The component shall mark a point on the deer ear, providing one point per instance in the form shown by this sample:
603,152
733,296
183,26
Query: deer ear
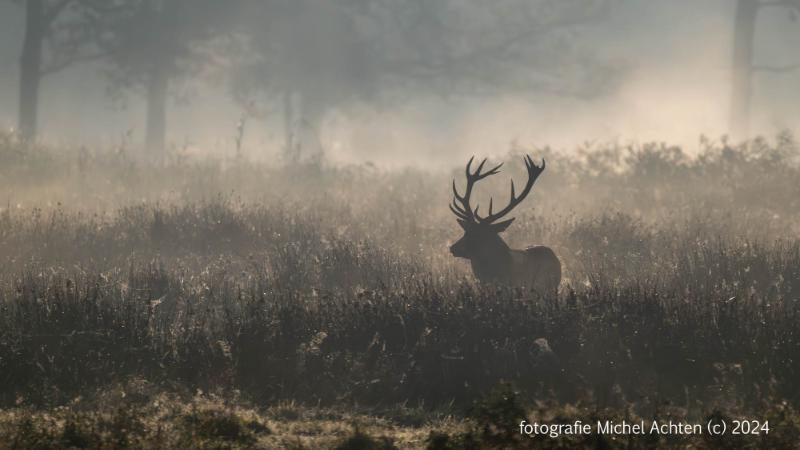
462,223
499,227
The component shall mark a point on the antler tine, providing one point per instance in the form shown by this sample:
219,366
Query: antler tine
455,191
495,170
469,164
480,167
458,212
531,165
461,207
463,211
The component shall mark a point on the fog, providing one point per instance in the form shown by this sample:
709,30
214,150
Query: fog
668,63
225,223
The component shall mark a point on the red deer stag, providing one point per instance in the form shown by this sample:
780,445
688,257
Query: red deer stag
492,260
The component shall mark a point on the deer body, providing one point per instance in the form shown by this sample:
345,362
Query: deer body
491,258
537,267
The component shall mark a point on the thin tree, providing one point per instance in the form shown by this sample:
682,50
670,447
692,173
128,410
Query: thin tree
154,46
743,65
57,35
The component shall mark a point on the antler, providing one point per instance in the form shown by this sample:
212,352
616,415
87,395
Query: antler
464,211
533,173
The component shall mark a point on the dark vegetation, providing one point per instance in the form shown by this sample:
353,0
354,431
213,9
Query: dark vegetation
332,286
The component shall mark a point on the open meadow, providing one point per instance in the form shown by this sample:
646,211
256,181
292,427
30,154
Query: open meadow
232,304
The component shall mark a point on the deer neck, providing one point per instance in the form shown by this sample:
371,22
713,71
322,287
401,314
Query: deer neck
493,260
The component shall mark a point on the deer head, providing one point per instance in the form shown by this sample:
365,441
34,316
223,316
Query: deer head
481,240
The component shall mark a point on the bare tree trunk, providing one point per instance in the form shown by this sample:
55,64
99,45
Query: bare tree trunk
742,86
157,88
30,69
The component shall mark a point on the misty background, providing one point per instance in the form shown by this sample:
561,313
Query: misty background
404,83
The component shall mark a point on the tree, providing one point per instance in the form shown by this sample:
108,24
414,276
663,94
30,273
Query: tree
743,66
56,36
30,67
153,45
306,55
325,55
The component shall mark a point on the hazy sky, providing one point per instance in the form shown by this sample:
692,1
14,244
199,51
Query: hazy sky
675,86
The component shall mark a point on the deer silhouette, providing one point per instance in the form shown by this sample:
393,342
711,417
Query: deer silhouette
492,260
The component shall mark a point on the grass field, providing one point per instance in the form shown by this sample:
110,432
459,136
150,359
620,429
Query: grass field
232,304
